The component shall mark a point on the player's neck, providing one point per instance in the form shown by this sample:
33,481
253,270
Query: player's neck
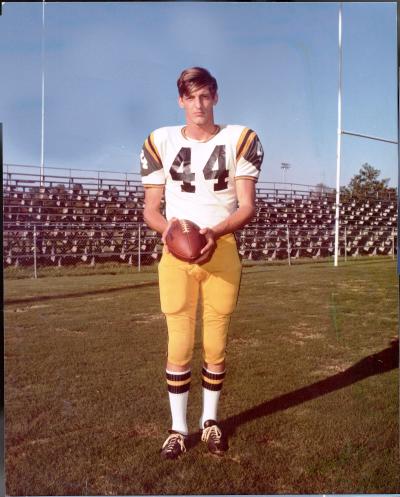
200,133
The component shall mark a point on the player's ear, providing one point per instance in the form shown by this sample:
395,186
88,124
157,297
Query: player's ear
215,98
180,102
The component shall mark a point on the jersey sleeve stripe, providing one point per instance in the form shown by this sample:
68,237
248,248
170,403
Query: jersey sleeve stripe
150,185
246,177
153,145
243,142
152,149
240,141
247,143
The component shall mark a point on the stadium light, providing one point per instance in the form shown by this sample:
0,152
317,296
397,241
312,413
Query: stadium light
285,166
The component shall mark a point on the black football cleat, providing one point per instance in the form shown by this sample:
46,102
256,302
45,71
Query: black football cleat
173,446
212,436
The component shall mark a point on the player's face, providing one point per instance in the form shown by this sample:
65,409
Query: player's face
199,106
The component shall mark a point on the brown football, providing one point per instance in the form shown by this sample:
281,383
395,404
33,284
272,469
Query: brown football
184,240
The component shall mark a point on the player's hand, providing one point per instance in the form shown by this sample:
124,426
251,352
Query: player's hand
208,249
164,234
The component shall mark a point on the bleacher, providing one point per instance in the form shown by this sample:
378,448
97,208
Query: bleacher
302,224
65,220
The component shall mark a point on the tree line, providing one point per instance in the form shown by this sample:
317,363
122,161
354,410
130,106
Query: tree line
366,183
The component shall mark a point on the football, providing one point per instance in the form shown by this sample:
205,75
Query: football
184,240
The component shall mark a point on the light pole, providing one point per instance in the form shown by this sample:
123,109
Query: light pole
285,166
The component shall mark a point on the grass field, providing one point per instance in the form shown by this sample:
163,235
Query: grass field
310,401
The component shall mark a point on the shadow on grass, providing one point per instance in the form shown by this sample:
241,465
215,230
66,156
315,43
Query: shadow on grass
40,298
378,363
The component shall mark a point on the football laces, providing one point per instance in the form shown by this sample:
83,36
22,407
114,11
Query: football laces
184,225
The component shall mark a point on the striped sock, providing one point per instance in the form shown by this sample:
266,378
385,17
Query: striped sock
212,385
178,391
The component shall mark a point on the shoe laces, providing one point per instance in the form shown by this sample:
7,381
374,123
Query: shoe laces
172,440
212,431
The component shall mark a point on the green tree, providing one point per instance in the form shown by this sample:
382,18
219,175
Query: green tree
367,183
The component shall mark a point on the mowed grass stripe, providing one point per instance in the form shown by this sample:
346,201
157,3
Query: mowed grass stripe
79,294
310,402
29,289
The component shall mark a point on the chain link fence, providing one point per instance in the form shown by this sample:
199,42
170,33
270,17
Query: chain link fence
41,245
136,245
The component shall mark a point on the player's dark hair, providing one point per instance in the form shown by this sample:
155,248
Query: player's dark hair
195,78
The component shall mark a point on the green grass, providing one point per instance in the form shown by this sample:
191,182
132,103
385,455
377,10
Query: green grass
310,401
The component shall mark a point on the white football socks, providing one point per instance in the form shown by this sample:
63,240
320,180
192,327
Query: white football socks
212,385
210,406
178,392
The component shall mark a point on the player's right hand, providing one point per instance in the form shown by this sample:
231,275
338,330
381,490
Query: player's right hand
164,234
208,249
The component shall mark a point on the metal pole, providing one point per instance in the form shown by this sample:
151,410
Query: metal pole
34,253
345,244
339,141
288,245
42,137
392,243
369,136
140,247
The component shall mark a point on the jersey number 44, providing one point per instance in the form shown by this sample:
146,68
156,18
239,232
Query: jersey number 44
181,169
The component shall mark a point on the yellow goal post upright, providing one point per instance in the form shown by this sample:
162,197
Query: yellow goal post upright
340,132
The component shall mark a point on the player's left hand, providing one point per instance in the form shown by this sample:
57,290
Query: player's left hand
208,249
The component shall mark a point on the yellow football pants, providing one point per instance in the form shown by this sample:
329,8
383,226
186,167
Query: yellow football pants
217,282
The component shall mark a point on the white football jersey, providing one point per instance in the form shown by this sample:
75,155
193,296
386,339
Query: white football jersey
199,177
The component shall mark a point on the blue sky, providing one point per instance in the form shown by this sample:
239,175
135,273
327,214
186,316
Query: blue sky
111,73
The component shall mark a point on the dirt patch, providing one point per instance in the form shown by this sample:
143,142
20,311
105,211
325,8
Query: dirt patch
354,286
143,318
252,342
303,335
144,430
331,368
302,331
18,309
39,441
67,332
27,308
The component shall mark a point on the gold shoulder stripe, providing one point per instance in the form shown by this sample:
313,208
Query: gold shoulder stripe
240,141
153,186
246,144
152,149
153,145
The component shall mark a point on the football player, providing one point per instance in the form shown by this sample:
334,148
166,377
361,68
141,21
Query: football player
207,173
